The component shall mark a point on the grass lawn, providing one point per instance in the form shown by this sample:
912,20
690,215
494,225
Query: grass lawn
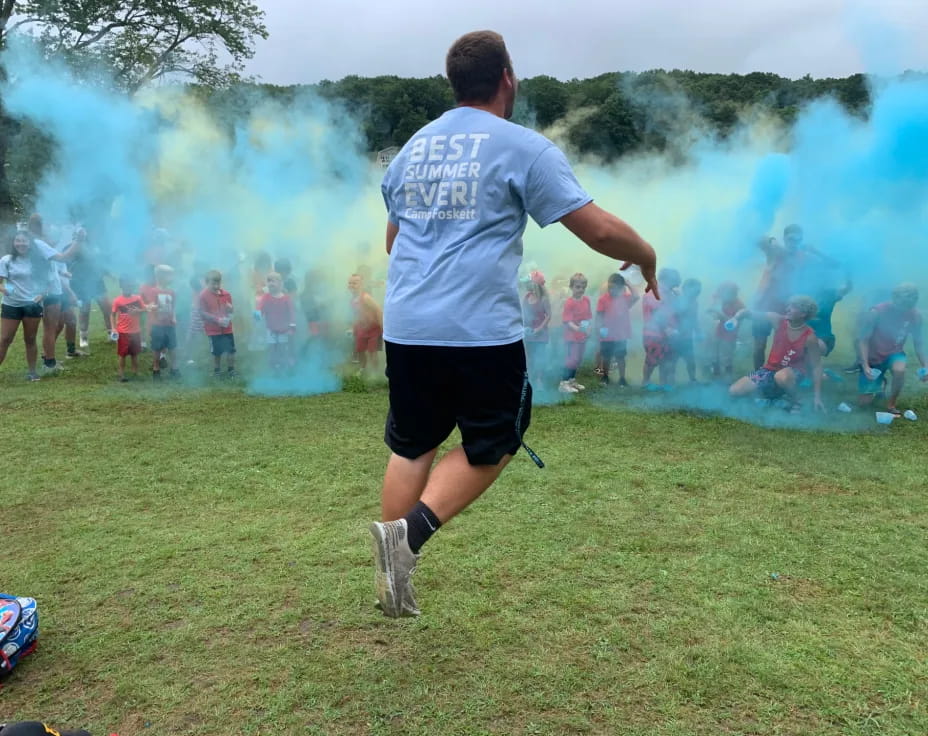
202,565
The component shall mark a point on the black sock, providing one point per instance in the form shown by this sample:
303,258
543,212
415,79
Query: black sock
49,362
71,348
421,523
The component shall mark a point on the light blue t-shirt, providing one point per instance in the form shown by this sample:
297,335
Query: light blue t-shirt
21,284
460,191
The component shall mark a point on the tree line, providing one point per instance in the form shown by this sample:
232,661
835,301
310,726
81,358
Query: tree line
609,116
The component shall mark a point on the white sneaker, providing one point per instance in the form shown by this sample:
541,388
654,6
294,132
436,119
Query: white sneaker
84,342
565,387
579,387
394,564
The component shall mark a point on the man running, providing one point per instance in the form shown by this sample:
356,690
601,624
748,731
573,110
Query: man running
458,196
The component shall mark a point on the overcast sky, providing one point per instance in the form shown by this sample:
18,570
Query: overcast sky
310,41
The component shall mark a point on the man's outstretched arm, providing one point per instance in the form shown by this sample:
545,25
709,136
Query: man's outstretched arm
607,234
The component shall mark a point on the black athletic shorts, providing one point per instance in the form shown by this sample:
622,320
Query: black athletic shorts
88,290
164,337
33,311
610,349
51,300
219,344
484,391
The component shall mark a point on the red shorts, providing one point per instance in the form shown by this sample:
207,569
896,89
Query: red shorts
368,341
656,350
129,343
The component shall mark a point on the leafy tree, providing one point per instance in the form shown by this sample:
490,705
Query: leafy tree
547,97
136,42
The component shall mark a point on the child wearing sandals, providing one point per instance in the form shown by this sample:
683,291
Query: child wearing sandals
794,348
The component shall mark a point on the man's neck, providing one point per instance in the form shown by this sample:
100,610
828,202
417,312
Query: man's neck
494,107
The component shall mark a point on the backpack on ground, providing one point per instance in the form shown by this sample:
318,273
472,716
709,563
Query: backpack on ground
19,630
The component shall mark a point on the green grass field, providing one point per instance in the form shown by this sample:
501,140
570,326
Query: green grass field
202,565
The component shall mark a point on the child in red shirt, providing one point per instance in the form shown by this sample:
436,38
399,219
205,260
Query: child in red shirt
276,309
795,349
216,311
368,324
163,331
614,325
127,310
725,305
660,327
576,318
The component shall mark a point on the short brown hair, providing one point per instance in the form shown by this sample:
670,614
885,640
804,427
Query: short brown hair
475,65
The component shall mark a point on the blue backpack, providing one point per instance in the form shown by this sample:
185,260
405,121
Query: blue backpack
19,630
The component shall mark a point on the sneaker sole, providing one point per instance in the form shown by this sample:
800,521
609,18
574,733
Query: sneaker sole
383,576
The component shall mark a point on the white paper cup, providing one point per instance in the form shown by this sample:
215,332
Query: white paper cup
633,276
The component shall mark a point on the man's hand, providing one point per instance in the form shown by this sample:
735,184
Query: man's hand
648,273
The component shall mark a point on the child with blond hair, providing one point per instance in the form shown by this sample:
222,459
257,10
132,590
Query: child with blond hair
795,349
576,317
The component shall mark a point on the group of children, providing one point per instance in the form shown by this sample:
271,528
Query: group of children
156,304
276,295
38,283
274,314
37,287
671,329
